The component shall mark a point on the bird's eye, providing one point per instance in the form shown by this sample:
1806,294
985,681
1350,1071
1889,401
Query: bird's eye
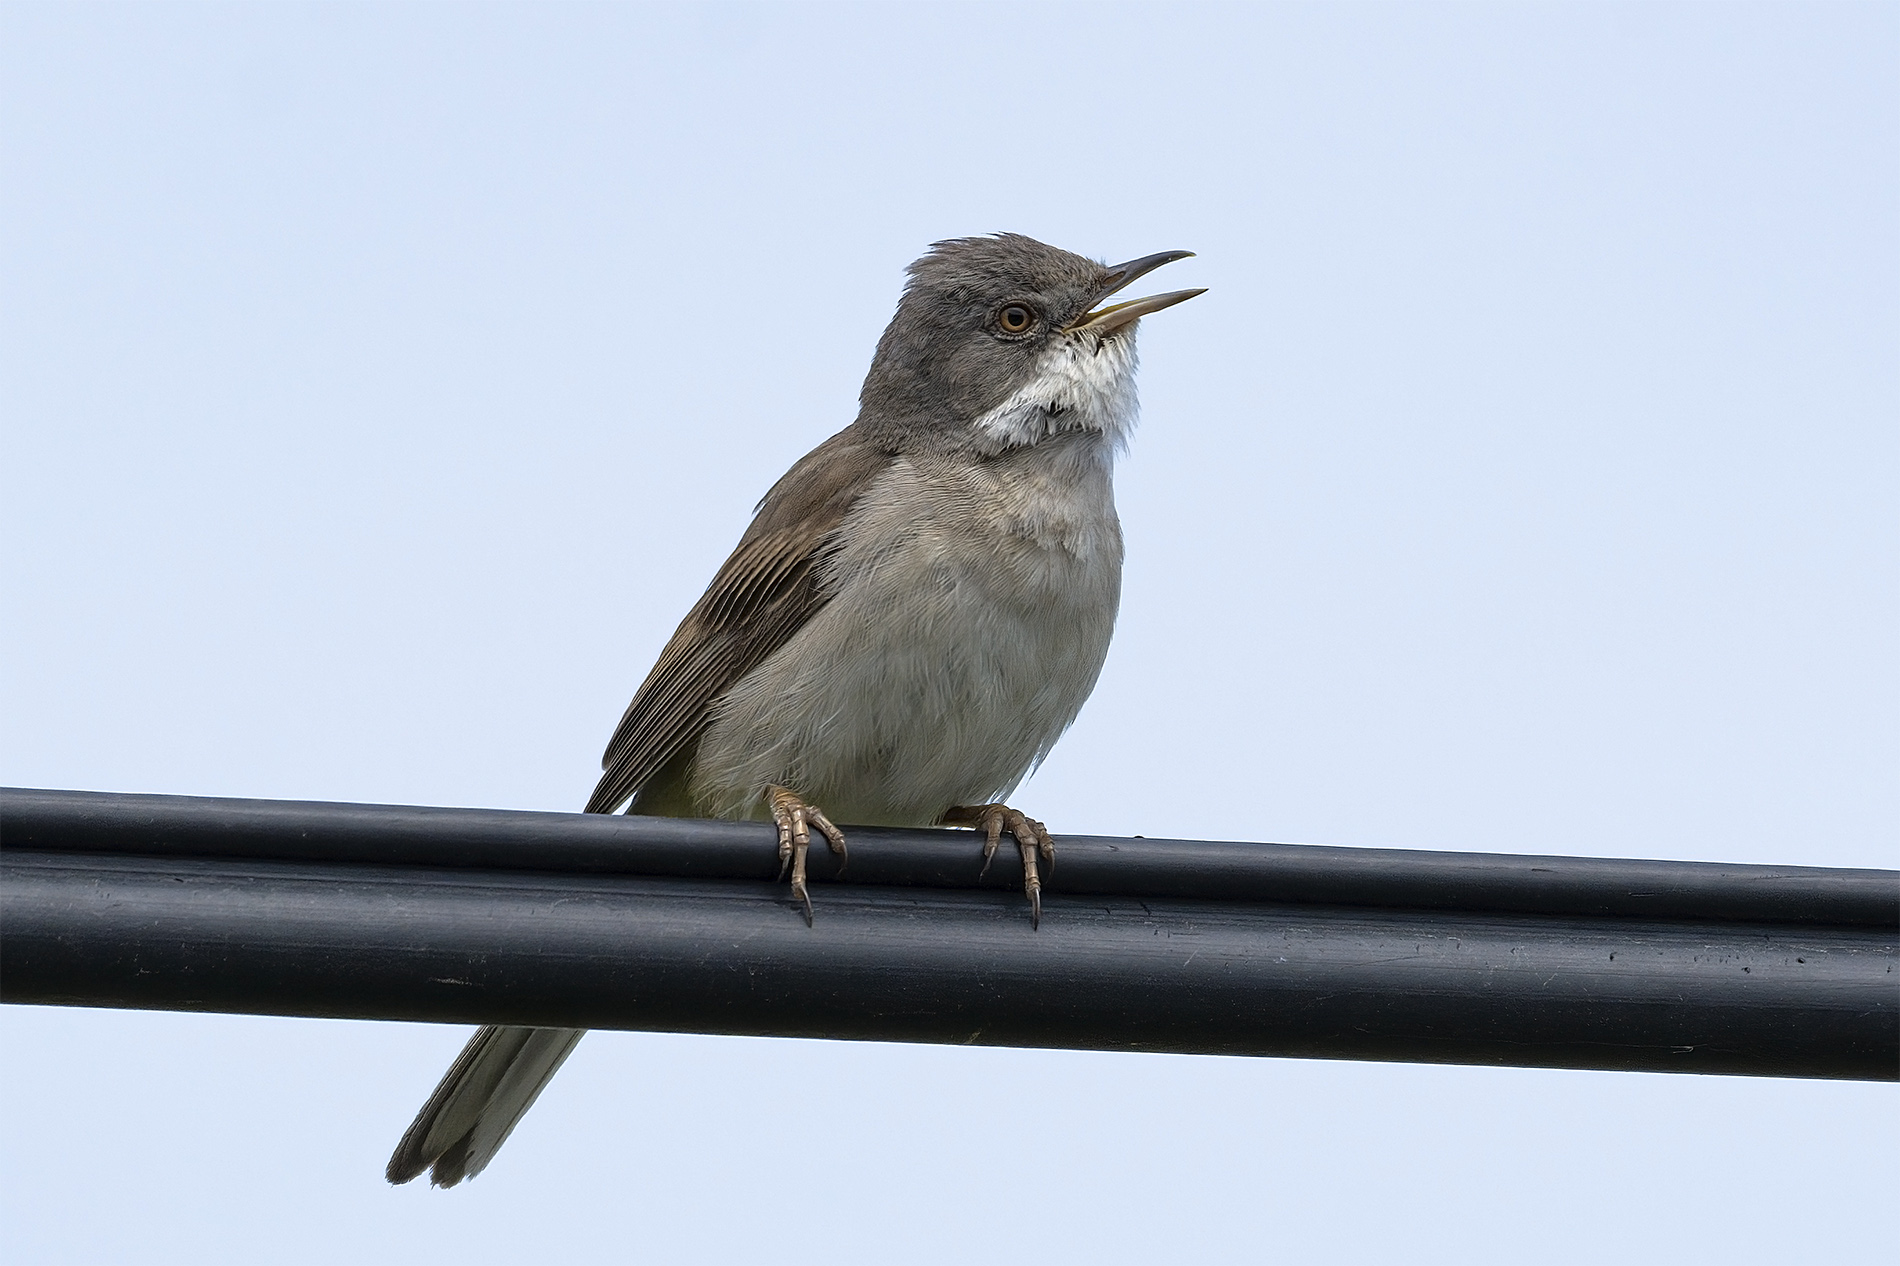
1015,318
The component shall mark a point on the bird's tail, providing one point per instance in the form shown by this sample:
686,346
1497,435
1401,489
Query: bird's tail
492,1083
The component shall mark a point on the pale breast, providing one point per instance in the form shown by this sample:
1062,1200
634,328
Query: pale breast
971,611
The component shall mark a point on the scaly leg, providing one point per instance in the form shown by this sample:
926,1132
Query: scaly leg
795,819
1032,837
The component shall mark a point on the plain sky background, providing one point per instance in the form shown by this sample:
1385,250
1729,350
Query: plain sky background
382,383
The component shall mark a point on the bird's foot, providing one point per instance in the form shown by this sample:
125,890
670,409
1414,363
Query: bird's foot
795,820
1032,837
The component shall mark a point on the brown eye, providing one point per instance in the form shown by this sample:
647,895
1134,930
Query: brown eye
1015,318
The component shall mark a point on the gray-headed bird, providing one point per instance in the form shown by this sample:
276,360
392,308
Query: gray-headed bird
915,615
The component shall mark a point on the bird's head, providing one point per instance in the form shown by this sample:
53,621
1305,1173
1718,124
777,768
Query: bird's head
1004,341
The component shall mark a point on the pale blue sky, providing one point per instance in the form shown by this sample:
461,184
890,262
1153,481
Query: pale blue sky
382,383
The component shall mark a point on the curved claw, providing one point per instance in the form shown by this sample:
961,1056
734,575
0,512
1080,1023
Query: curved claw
795,819
993,833
834,838
1032,839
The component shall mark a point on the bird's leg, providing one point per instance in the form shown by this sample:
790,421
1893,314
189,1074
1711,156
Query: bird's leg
795,819
1032,837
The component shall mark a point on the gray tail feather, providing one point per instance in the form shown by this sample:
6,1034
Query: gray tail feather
488,1088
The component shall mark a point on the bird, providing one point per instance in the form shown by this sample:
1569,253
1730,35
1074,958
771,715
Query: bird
916,613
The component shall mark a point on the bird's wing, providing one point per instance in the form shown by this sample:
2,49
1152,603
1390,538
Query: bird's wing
763,595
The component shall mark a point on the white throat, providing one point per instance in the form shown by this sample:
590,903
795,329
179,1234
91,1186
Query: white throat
1082,383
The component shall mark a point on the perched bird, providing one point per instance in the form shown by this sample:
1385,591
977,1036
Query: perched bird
915,615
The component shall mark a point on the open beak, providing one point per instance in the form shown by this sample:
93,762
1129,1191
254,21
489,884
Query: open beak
1118,316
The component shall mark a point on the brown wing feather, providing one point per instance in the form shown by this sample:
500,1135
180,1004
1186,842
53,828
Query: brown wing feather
763,595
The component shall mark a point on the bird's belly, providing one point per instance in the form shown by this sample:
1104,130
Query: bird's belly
934,680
